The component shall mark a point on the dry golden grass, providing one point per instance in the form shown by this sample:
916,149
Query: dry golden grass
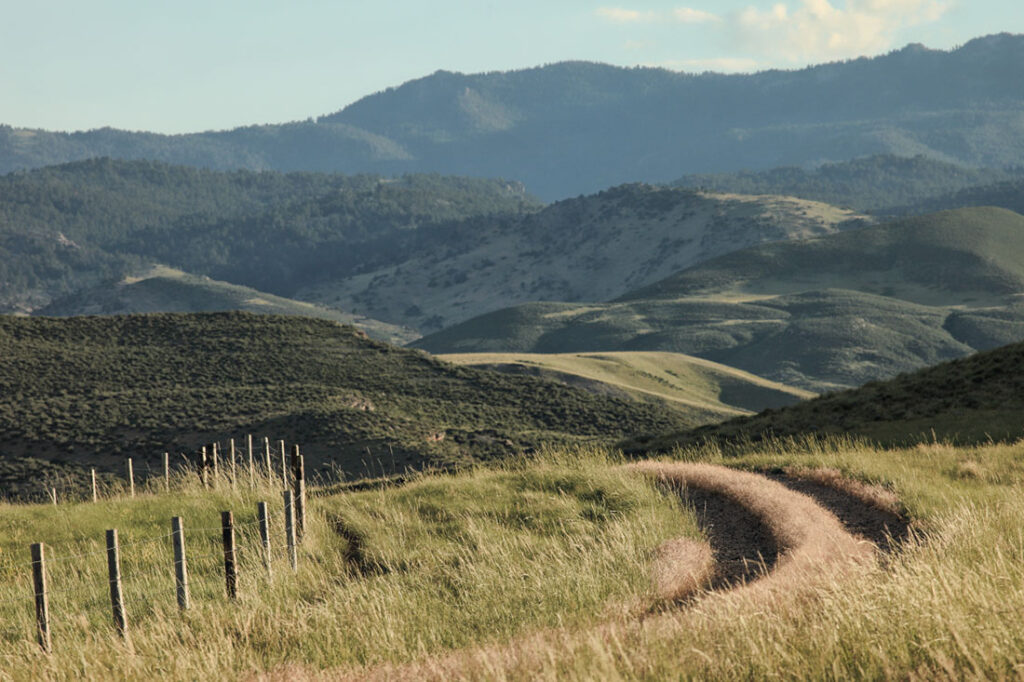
815,550
682,567
871,495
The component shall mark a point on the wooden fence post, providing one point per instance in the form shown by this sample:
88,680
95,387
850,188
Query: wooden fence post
216,466
252,466
131,479
53,496
234,468
284,467
42,600
299,470
180,565
266,455
289,528
261,512
227,523
167,472
94,496
116,593
204,468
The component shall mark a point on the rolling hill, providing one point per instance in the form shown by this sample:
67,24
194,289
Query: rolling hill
88,391
689,384
968,400
160,289
575,127
586,249
74,226
819,314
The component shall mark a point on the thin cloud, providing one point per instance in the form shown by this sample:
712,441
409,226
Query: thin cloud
687,15
621,15
817,29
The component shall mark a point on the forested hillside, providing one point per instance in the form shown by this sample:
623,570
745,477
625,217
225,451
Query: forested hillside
76,225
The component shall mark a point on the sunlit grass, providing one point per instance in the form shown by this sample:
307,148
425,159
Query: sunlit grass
440,563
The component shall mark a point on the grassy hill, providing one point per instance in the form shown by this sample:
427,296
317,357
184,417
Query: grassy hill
819,314
689,384
878,184
968,400
89,391
963,257
589,248
162,289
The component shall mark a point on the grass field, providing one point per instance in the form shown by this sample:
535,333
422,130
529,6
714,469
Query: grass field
690,384
541,569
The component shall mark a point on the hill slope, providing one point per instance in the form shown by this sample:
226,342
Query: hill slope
68,227
87,391
160,289
689,384
574,127
879,183
819,314
968,400
587,249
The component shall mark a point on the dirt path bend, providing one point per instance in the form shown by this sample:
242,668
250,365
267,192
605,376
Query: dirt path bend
769,541
762,532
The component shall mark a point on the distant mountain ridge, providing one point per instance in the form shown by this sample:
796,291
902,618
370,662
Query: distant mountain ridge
577,127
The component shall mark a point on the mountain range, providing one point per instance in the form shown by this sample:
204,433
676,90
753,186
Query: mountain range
577,127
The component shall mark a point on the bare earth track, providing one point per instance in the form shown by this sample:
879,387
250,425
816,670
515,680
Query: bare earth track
772,537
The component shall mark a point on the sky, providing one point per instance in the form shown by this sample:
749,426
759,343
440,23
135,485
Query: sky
193,65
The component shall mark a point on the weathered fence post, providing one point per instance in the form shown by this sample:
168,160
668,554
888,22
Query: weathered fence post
266,455
227,523
234,468
261,512
167,472
289,528
42,599
180,566
216,465
94,495
116,593
284,466
53,496
252,466
204,468
299,470
131,479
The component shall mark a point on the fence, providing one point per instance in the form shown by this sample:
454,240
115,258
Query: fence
214,465
256,537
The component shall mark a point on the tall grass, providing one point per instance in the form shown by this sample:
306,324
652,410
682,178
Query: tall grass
386,575
947,606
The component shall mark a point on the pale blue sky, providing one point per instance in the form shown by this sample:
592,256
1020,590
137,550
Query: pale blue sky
209,64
